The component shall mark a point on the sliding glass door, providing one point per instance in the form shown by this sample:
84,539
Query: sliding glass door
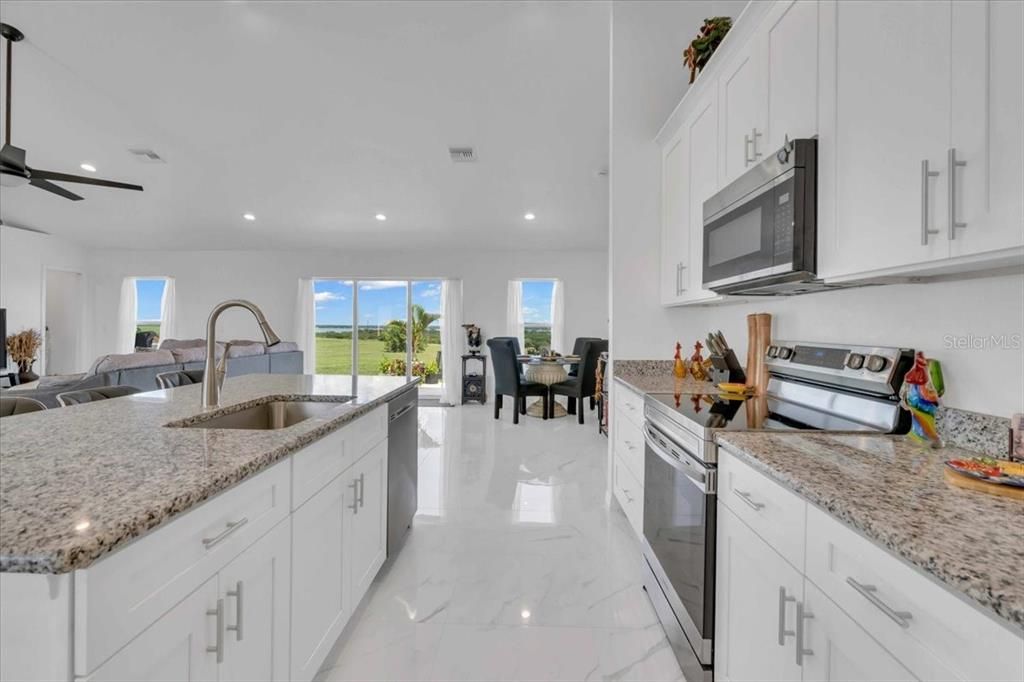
379,327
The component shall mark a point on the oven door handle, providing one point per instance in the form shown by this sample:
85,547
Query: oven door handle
703,479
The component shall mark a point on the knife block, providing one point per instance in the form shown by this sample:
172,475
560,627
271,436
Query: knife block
726,368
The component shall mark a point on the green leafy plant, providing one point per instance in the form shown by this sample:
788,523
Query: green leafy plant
393,333
709,37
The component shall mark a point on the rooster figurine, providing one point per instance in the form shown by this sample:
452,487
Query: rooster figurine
698,365
922,387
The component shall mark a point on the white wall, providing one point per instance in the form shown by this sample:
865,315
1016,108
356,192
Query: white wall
269,279
24,258
646,41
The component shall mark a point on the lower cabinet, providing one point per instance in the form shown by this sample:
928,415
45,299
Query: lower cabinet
339,542
756,593
173,648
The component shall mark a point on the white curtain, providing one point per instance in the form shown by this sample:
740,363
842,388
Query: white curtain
126,317
452,335
305,325
168,311
558,318
514,312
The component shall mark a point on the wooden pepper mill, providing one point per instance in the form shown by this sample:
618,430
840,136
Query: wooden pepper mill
759,336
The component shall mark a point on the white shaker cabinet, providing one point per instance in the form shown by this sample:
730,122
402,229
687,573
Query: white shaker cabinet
884,136
255,589
742,108
987,133
675,233
175,647
365,546
790,44
756,593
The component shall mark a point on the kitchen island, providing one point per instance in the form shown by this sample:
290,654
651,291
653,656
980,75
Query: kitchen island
128,531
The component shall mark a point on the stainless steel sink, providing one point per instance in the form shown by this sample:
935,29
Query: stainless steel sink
277,414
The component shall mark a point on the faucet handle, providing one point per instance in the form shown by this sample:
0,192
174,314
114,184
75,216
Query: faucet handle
222,367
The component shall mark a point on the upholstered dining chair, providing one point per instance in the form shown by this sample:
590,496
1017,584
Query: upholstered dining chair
91,395
578,387
15,405
180,378
577,349
508,380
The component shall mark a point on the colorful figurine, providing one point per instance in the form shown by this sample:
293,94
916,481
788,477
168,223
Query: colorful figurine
698,365
922,387
679,369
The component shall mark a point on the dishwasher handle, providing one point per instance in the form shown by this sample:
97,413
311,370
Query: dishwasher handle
401,412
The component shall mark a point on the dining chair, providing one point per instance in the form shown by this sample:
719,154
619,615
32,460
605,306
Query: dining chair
15,405
577,350
508,380
183,377
91,395
514,340
585,384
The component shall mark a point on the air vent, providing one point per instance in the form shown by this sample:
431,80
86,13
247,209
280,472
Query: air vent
146,155
462,154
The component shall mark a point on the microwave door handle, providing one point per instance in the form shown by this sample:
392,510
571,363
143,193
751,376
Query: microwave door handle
701,480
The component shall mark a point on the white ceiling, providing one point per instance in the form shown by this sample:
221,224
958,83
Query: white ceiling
315,117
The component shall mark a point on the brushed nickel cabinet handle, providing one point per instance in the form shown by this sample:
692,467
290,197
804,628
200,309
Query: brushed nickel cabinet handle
355,496
362,489
745,496
746,150
953,165
230,528
753,144
801,616
237,627
783,600
925,176
869,592
218,648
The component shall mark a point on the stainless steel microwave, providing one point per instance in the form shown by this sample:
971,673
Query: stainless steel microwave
760,231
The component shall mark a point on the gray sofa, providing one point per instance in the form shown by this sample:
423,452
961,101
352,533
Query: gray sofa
139,370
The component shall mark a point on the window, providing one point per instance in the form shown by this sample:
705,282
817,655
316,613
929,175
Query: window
534,314
146,313
398,330
149,295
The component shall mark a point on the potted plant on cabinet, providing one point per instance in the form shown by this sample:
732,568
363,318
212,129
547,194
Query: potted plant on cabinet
23,348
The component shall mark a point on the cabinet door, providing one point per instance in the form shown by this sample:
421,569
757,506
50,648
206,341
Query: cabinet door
790,36
320,608
751,610
987,134
366,519
675,233
742,107
174,648
255,588
838,649
702,181
892,70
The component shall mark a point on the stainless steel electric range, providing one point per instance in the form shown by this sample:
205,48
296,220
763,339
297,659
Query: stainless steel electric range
833,387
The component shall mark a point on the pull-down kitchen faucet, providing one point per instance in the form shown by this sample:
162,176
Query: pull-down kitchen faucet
213,375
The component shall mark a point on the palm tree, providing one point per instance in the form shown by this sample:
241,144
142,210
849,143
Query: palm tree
393,333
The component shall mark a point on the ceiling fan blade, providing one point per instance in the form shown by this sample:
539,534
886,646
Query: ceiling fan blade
50,187
66,177
13,157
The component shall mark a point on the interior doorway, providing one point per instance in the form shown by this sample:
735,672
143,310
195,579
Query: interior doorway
62,322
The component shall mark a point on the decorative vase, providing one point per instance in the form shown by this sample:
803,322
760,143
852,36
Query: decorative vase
25,373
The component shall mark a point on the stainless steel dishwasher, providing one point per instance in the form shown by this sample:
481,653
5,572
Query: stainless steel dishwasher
403,465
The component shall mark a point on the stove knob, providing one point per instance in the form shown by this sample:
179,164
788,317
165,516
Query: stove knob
773,351
855,361
876,363
785,353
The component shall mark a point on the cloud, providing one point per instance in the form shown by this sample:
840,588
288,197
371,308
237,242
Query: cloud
322,296
379,284
430,291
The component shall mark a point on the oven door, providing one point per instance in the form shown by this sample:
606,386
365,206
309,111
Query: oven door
753,238
679,529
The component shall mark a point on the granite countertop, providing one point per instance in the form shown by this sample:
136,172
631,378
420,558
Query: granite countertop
79,482
666,383
894,492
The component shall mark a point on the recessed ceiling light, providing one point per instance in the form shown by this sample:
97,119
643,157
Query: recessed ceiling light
249,216
381,217
529,216
88,167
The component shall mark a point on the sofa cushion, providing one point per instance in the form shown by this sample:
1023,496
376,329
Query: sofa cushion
171,344
110,363
283,347
243,348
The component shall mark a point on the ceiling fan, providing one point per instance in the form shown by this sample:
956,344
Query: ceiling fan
13,171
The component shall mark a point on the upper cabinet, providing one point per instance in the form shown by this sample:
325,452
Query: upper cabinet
917,106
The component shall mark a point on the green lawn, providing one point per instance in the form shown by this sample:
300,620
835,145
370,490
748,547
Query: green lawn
154,327
334,356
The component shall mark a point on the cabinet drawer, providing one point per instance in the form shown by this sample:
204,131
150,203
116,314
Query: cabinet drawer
315,465
942,638
629,493
629,446
629,404
121,595
774,513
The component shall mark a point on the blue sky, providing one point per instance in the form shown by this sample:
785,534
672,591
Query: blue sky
537,301
379,301
148,293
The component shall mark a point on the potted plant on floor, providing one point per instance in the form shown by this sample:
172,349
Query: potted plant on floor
23,348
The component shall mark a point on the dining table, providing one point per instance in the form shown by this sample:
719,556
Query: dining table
546,370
